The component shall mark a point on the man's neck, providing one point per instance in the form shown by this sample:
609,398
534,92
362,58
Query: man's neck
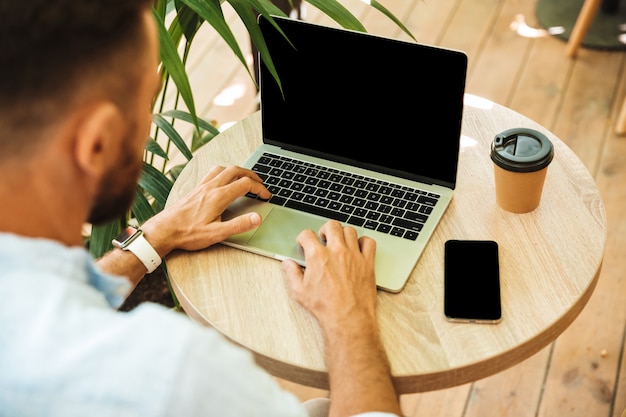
37,205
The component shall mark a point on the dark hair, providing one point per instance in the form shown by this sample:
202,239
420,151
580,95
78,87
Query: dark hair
50,50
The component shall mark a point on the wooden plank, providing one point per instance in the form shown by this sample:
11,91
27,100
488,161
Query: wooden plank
585,366
469,27
444,403
514,392
429,19
543,81
492,76
611,179
584,117
378,24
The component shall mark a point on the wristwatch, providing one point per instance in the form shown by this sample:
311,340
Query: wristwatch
133,240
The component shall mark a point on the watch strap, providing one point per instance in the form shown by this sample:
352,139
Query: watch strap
145,252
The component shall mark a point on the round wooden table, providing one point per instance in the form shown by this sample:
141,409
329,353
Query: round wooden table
550,260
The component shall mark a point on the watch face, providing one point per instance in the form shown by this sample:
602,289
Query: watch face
126,236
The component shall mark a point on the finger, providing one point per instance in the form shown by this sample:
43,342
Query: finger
309,241
236,225
351,238
294,276
332,232
243,186
367,246
233,173
213,173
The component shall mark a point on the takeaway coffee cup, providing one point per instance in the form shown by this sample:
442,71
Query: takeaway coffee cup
521,157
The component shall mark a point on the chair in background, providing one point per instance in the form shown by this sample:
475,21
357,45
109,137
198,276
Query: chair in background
587,13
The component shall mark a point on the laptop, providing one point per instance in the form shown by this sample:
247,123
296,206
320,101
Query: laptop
363,129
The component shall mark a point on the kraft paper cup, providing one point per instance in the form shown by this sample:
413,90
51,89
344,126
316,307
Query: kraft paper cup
521,157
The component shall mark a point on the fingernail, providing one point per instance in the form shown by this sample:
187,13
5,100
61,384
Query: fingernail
255,219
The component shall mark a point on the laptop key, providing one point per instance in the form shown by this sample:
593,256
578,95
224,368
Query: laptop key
396,231
335,206
370,224
429,201
261,168
385,209
320,211
425,209
347,209
334,186
279,201
384,228
320,192
334,196
322,202
356,221
407,224
409,215
372,215
385,218
265,159
360,212
285,193
296,186
346,199
273,189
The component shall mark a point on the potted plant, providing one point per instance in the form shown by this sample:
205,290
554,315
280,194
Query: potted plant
178,22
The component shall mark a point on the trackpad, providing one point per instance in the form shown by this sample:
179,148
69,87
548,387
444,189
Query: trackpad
277,234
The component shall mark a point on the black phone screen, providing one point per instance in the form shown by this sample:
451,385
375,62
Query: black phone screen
472,281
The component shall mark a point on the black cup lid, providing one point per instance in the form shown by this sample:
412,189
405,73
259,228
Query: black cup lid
521,150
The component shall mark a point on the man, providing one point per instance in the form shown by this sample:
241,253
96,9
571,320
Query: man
77,83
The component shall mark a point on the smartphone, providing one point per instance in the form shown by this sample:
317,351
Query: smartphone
472,281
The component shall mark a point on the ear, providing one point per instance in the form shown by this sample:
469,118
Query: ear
98,139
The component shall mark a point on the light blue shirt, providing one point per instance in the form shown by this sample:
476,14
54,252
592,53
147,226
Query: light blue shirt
65,350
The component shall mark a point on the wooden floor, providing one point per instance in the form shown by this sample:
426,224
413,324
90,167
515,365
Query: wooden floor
514,63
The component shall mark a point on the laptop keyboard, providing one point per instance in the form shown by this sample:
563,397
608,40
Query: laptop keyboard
349,198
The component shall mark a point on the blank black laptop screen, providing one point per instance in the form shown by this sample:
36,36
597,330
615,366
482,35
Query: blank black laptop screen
391,105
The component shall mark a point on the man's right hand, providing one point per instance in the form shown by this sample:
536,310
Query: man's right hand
339,280
338,287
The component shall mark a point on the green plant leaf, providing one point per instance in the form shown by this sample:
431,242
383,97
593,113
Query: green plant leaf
337,12
153,147
183,115
160,8
200,141
174,66
172,135
156,184
188,20
101,237
248,16
141,209
176,170
376,5
211,12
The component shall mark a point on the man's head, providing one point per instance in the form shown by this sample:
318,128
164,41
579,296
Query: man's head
86,71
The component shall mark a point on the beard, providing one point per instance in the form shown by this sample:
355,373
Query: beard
117,189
